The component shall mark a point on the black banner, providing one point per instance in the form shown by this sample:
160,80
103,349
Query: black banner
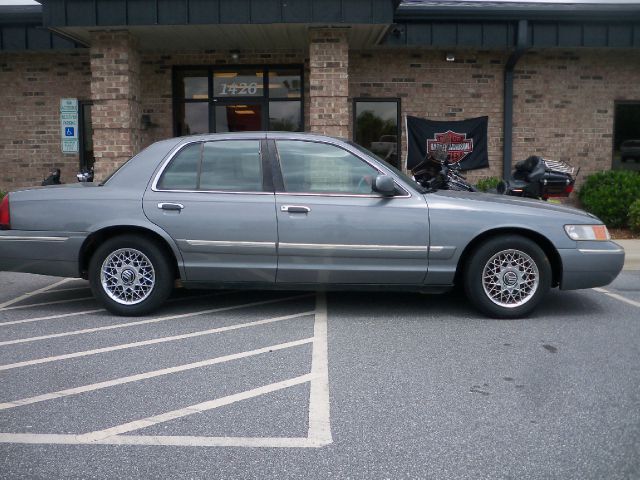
465,141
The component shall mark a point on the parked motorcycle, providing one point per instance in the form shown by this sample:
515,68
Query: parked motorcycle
436,172
534,177
85,175
537,177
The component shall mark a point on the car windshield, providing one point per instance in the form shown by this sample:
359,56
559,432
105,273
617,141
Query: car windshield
399,173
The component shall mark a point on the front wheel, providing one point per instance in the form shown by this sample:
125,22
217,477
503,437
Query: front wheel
130,275
507,276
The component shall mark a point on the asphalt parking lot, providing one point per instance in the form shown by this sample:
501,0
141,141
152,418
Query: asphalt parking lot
231,384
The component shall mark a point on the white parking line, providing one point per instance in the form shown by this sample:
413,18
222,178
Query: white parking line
145,322
35,292
51,317
85,312
152,374
618,297
191,409
153,341
55,302
319,415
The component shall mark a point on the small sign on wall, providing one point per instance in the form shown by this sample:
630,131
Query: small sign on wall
69,125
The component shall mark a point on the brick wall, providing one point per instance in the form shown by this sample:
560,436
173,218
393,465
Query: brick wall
430,87
329,81
564,105
31,86
115,90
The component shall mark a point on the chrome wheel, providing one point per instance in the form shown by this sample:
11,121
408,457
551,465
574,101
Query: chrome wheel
510,278
127,276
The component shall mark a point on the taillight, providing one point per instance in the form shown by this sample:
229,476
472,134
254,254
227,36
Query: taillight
568,188
5,217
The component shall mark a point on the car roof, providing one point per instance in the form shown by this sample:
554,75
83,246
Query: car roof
260,134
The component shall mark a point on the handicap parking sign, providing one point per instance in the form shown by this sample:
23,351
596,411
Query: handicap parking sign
69,132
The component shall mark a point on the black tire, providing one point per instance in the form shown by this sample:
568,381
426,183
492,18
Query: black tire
512,291
151,270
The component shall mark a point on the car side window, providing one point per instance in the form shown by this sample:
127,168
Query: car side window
233,165
182,172
310,167
227,165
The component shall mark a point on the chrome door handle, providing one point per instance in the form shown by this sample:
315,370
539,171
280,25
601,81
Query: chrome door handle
294,209
170,206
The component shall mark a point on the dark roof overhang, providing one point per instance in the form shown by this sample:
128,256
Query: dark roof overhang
420,10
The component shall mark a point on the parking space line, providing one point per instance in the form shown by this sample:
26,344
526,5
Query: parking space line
72,314
192,409
146,322
35,292
319,414
618,297
152,374
50,317
55,302
162,440
153,341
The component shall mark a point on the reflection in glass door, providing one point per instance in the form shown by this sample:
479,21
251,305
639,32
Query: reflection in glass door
238,117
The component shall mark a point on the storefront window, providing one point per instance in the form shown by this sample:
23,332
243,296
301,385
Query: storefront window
223,99
626,137
285,116
376,127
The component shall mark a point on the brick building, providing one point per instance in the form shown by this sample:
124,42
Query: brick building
559,80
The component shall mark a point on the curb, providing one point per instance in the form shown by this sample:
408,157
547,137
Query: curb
632,253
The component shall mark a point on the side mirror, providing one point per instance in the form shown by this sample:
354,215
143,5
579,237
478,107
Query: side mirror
384,185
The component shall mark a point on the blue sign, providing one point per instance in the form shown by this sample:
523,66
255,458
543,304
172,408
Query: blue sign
68,132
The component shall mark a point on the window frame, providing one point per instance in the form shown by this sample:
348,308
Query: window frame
398,103
212,101
616,103
267,187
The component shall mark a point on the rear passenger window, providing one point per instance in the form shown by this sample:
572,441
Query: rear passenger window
182,172
228,165
233,165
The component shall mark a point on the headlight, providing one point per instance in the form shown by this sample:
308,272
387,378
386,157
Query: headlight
587,232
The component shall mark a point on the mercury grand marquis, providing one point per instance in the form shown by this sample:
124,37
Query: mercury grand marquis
296,211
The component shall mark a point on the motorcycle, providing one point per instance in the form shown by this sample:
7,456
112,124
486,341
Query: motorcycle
436,172
537,177
534,177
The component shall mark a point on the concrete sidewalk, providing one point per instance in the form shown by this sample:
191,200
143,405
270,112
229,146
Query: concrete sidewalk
632,253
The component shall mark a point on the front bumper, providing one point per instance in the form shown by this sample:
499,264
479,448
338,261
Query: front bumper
46,253
590,264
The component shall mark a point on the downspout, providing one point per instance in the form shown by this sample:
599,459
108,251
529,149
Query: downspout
521,47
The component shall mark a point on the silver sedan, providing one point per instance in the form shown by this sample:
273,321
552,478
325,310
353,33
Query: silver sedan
296,211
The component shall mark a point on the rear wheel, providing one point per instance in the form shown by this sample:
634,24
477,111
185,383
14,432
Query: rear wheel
130,275
507,276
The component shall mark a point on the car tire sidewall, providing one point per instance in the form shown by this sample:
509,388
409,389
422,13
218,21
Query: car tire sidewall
164,275
474,270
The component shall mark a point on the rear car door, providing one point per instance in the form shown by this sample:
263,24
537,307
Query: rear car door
215,198
332,228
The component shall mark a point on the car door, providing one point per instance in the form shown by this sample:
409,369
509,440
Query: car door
332,228
216,201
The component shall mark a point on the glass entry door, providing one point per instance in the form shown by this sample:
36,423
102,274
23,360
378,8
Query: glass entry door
237,99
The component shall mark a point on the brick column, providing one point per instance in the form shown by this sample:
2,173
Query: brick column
329,81
115,91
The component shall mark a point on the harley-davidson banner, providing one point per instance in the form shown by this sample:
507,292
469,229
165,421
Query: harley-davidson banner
465,141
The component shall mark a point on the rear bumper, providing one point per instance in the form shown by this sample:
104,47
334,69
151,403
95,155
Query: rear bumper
590,264
45,253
